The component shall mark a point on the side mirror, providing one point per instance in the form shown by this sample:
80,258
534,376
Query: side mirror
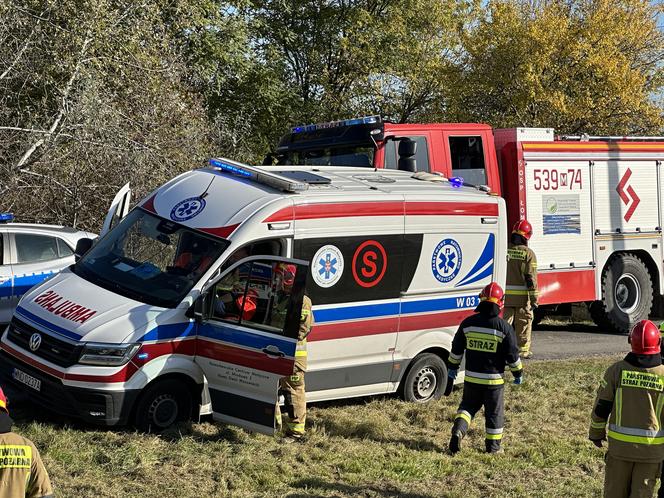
82,246
195,311
407,151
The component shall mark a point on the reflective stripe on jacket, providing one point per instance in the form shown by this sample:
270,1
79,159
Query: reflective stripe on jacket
635,424
489,344
521,285
22,473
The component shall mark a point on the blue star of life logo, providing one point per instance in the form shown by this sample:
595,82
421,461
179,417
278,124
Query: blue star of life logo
327,266
446,260
187,209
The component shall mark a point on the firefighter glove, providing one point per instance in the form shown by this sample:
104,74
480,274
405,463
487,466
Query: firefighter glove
519,380
597,442
452,373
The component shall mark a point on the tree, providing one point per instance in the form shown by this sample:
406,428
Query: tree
93,94
576,65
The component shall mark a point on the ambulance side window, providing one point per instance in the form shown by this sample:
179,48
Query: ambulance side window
254,294
421,154
467,156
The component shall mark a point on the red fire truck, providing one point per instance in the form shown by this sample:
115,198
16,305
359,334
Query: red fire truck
595,203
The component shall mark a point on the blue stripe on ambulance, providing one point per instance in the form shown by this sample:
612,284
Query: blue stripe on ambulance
46,324
170,331
244,337
481,270
392,308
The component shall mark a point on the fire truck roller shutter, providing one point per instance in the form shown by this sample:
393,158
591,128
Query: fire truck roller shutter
627,294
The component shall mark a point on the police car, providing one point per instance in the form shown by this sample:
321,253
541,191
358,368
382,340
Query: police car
30,253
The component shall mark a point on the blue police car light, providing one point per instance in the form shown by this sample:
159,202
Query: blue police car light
6,217
230,168
456,181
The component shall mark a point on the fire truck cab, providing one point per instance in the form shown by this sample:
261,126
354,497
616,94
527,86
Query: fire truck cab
595,203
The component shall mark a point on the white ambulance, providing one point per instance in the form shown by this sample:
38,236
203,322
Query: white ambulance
180,305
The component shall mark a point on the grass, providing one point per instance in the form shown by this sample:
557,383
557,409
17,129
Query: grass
375,447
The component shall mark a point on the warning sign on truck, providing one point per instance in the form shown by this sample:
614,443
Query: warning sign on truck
561,214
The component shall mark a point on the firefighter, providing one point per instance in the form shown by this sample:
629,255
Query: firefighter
521,292
630,398
292,386
660,493
489,344
22,473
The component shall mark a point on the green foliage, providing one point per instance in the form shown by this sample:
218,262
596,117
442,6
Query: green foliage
97,92
578,66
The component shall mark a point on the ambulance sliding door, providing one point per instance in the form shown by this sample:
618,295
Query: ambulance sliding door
455,246
355,278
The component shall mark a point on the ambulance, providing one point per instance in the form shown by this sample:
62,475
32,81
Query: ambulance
179,307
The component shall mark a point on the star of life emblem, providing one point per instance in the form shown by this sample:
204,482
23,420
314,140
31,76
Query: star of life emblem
327,266
446,260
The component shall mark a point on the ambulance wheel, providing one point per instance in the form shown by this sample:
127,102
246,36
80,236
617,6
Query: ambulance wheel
163,404
627,294
425,380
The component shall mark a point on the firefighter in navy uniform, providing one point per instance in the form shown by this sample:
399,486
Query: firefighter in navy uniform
521,293
22,473
292,386
660,493
489,344
630,399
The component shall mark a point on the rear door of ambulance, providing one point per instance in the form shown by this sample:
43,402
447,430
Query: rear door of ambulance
247,337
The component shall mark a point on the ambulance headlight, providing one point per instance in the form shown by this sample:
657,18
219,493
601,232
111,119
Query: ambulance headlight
108,355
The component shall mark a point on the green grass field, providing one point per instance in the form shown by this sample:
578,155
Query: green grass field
376,447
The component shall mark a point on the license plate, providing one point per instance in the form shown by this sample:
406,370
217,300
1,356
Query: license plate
26,379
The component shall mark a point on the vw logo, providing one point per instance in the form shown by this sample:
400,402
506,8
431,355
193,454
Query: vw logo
35,342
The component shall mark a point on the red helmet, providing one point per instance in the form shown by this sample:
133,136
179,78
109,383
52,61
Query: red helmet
3,402
287,272
493,293
523,228
644,338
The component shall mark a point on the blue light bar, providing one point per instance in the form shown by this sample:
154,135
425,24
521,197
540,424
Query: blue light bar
6,217
231,168
456,181
258,175
336,124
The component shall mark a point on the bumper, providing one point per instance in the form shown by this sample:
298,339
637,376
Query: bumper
90,405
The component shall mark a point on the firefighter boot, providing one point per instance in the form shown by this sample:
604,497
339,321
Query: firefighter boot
493,446
455,441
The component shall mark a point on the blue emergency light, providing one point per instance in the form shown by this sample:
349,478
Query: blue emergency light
456,181
6,217
258,175
230,168
335,124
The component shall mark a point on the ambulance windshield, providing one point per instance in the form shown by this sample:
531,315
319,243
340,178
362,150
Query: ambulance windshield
150,259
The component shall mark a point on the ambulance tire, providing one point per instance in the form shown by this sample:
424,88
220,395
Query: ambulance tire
163,404
425,380
628,295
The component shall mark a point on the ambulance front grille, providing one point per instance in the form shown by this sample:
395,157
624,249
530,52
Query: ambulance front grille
62,353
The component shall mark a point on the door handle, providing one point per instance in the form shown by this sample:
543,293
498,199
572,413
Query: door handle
489,221
273,351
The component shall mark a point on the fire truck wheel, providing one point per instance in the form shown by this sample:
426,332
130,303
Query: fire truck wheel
627,291
425,380
163,404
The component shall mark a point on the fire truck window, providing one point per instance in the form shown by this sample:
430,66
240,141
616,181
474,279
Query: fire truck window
421,155
468,159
